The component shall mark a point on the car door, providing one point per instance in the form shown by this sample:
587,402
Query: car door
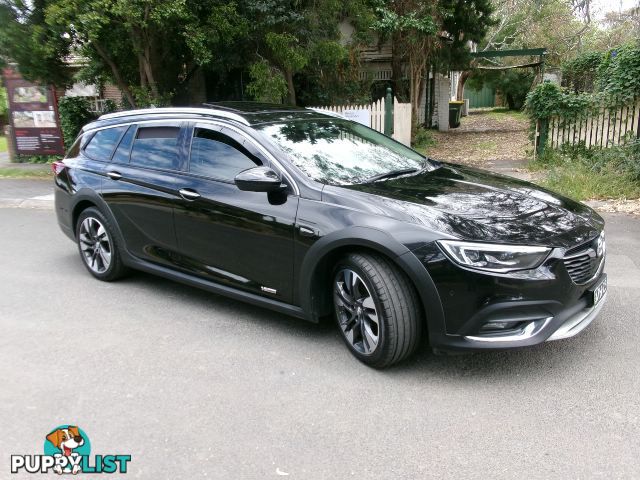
140,188
233,237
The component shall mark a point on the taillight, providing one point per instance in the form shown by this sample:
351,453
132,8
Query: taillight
57,167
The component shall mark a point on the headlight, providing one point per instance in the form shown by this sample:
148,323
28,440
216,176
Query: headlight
494,258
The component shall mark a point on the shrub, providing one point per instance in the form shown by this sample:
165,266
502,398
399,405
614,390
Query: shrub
423,139
75,112
579,74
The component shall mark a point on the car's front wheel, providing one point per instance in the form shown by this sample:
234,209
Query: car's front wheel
97,246
377,309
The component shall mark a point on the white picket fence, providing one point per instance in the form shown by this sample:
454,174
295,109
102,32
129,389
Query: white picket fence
376,113
606,128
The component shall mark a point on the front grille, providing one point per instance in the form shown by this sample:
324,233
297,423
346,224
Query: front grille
582,267
583,262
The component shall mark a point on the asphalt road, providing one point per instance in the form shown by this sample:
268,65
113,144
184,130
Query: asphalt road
194,385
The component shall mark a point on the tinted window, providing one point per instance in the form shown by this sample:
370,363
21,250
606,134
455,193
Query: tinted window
101,146
342,152
122,152
214,154
75,149
156,147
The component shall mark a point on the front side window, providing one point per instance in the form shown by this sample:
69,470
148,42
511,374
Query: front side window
156,147
101,145
341,152
216,155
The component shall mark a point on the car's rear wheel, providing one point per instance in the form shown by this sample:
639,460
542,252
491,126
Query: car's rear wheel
97,246
377,309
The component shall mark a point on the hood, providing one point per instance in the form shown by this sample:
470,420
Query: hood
473,204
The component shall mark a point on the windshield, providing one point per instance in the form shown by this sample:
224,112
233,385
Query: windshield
340,152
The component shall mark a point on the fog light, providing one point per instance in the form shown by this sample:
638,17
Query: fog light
498,325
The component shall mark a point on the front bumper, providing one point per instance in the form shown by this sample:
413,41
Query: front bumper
564,324
540,306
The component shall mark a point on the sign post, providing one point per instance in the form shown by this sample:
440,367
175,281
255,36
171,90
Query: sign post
33,115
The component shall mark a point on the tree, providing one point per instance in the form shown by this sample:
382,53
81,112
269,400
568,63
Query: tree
412,26
28,40
560,26
298,43
170,40
148,48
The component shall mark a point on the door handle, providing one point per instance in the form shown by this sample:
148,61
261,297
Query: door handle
114,175
189,194
306,231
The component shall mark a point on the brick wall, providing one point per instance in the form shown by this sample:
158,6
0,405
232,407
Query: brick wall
111,92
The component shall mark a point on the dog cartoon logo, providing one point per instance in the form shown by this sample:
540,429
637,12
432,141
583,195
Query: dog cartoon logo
67,441
67,450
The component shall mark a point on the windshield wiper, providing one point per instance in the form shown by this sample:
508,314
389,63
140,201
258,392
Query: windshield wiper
392,173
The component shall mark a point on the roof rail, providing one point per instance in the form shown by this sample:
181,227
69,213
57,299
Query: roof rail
176,111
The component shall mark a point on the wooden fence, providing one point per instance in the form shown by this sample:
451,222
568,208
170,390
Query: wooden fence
401,114
607,128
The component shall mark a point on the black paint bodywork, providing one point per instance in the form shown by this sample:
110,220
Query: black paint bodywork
235,243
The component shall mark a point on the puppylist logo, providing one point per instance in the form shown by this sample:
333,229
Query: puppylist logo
67,450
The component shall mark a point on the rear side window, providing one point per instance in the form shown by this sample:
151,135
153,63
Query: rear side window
123,150
102,144
156,147
214,154
75,149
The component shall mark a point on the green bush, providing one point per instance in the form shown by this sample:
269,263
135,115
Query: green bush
423,139
75,112
618,82
36,158
4,107
579,74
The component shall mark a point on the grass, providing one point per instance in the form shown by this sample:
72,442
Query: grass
487,145
502,113
582,183
3,143
582,174
13,172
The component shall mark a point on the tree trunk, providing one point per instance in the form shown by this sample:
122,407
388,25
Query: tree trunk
417,67
292,91
143,75
461,81
124,88
397,57
148,70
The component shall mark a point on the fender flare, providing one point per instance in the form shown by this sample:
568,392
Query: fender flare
91,196
383,243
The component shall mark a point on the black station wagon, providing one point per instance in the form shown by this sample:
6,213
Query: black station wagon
312,215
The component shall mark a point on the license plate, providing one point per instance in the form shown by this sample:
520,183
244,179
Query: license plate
599,291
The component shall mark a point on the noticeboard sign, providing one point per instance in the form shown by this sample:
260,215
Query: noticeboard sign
362,116
33,115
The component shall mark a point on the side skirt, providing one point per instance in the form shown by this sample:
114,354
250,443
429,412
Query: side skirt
213,287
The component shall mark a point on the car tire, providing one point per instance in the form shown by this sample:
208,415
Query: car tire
98,246
377,309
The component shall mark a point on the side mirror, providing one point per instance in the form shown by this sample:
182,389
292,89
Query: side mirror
259,179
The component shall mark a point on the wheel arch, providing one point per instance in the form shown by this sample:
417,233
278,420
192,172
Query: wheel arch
84,199
320,259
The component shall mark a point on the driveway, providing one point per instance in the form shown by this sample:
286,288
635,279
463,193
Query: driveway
194,385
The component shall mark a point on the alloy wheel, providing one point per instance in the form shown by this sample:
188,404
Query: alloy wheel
95,245
356,310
